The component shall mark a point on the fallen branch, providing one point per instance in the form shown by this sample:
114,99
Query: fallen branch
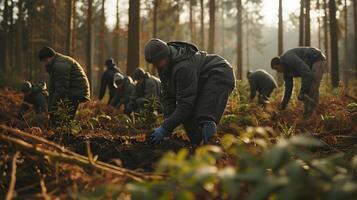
10,192
72,157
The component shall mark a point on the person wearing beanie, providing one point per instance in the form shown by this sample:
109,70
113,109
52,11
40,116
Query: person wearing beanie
308,63
262,82
125,91
35,95
68,85
195,88
147,87
107,80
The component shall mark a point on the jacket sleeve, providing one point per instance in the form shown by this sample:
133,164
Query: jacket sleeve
103,86
168,102
129,95
61,75
253,88
116,99
186,92
305,72
150,88
24,107
288,88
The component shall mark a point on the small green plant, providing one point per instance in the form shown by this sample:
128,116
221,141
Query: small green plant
285,170
286,130
64,123
149,114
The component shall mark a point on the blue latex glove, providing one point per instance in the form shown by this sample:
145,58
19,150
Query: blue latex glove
158,135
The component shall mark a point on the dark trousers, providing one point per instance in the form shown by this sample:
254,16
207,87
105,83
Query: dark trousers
209,106
63,113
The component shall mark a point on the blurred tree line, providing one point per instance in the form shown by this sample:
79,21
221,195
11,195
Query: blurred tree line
232,28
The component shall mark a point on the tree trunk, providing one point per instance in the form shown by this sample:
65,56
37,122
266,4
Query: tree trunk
346,63
74,30
355,27
191,21
326,38
307,24
280,38
101,42
202,24
19,39
54,24
116,34
212,25
6,34
334,45
239,40
155,12
223,33
69,26
301,23
318,23
89,42
133,56
12,39
247,42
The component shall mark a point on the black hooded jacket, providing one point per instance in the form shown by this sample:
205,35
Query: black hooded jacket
182,79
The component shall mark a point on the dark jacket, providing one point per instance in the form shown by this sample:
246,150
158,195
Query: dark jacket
150,87
37,98
262,82
67,81
183,78
298,63
107,81
124,95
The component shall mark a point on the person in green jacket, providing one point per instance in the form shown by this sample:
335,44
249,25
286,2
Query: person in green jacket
68,85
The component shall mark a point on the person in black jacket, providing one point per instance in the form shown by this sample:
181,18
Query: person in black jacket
147,87
308,63
35,95
125,91
107,80
195,88
262,82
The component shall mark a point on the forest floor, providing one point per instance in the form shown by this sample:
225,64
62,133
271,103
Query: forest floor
121,141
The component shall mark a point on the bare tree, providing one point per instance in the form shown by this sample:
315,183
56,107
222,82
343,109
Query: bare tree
355,30
74,34
212,25
301,23
239,40
334,46
326,28
318,8
202,24
116,33
346,64
19,38
133,56
89,41
155,13
69,26
307,24
280,37
101,39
